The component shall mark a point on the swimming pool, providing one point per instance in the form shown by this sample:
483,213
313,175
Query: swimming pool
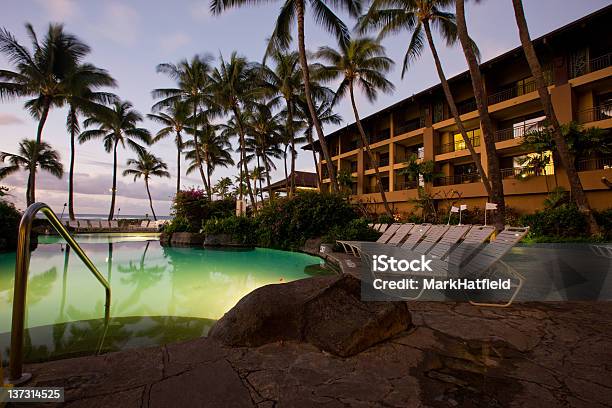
159,294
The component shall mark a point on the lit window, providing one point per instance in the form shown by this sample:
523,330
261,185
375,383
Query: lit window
471,134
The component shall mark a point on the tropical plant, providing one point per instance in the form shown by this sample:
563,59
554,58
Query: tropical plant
425,169
359,62
419,17
193,89
116,126
31,156
214,150
488,131
81,95
565,155
235,89
40,74
345,180
293,11
146,165
174,120
222,187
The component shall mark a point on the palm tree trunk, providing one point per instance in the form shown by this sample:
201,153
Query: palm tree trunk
179,151
111,213
196,146
364,140
146,180
267,165
292,135
242,153
314,156
299,5
576,190
488,133
71,171
259,179
454,111
31,189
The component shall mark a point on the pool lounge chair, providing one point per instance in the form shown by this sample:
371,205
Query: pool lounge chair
83,225
94,225
431,238
114,224
105,225
386,236
416,234
454,234
73,224
376,227
401,234
383,227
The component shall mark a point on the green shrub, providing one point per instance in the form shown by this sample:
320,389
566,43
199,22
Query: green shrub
286,223
355,230
604,219
385,219
177,224
564,221
241,229
194,208
9,225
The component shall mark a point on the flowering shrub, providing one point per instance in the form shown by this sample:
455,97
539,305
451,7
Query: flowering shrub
192,208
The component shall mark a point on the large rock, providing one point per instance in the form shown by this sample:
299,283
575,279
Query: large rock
223,240
324,311
186,239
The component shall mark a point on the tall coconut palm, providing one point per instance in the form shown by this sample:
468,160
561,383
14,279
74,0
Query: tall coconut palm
419,17
488,132
235,89
174,120
326,115
193,88
294,11
79,91
116,126
214,151
577,191
31,156
39,74
222,188
146,165
360,62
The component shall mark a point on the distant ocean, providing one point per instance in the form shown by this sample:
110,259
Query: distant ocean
117,216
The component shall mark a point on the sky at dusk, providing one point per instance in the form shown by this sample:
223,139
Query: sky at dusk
129,38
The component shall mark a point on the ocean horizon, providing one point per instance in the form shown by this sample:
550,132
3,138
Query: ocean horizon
117,216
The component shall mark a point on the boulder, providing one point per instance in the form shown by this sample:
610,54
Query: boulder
186,239
223,240
164,239
324,311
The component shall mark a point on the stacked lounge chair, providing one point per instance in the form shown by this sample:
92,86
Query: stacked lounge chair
386,236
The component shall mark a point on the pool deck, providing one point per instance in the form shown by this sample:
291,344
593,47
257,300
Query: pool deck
536,354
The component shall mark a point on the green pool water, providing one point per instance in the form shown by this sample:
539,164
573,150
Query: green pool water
159,294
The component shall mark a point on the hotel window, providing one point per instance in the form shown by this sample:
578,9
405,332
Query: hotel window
522,128
535,163
524,86
473,135
438,112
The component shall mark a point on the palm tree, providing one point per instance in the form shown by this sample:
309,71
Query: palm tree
146,165
419,16
116,125
80,93
235,88
31,156
39,74
576,190
193,80
174,120
214,150
293,11
359,62
488,132
223,186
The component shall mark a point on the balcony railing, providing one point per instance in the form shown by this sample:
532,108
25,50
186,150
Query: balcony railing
373,189
596,113
404,157
457,179
350,146
594,164
466,106
517,132
409,126
591,65
406,185
513,92
377,137
514,172
456,146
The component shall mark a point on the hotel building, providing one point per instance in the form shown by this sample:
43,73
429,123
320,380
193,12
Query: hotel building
577,63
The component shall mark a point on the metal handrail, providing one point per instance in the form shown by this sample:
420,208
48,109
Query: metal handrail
16,374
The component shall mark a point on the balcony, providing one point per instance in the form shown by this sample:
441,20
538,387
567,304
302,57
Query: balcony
457,146
520,172
379,136
350,146
591,65
513,92
409,126
404,157
406,185
466,106
373,189
596,113
457,179
517,132
602,163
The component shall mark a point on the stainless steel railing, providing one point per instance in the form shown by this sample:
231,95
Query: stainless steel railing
16,374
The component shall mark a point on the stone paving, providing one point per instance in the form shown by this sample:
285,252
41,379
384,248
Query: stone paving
456,355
